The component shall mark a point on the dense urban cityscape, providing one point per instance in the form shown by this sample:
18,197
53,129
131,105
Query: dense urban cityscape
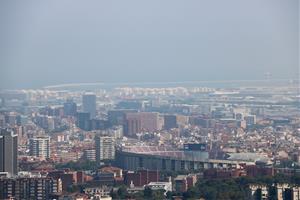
140,142
149,100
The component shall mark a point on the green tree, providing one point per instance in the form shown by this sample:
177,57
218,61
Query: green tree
272,193
113,194
169,195
148,192
191,193
122,192
158,194
79,165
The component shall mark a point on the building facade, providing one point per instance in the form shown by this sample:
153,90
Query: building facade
105,148
40,147
8,152
89,104
29,188
142,121
70,108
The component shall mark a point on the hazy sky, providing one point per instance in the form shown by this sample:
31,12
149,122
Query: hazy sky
69,41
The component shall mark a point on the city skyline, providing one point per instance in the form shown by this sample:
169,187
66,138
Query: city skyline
176,100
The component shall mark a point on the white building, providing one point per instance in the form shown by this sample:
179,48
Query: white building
40,147
105,148
166,186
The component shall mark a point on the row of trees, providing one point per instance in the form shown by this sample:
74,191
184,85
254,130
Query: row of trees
147,193
79,165
236,188
217,189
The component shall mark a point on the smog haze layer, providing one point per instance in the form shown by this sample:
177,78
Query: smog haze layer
59,42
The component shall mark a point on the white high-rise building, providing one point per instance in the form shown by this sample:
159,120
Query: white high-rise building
40,147
105,148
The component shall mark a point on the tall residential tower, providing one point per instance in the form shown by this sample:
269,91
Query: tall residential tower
105,148
8,152
40,147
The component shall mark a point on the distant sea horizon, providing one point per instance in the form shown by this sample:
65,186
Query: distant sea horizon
222,84
210,84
